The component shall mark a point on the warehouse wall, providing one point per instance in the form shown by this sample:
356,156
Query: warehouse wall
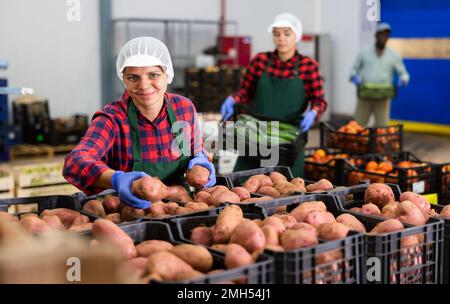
58,58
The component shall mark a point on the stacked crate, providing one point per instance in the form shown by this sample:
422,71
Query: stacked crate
6,185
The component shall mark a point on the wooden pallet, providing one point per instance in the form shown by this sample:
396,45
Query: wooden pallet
27,150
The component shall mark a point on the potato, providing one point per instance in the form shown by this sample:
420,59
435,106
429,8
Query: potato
179,194
34,224
277,177
94,207
67,216
388,210
198,176
300,238
304,208
271,235
276,223
203,196
351,222
258,222
248,235
157,209
106,231
167,265
288,221
197,256
332,231
379,194
220,247
80,220
216,189
318,217
225,197
182,210
321,185
81,227
329,256
111,204
170,208
8,217
285,188
114,217
23,215
236,256
264,180
188,275
269,191
129,213
149,247
241,192
387,226
135,266
409,213
356,209
304,226
445,212
370,209
252,184
409,241
276,248
298,181
281,209
150,189
420,201
228,219
54,222
202,235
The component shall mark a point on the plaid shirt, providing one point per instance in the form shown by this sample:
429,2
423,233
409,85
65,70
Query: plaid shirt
107,143
308,72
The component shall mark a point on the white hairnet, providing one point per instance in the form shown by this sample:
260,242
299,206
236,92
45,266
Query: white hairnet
288,20
143,52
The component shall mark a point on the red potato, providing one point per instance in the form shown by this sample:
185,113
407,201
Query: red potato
370,209
8,217
94,207
277,177
106,231
147,248
23,215
215,190
300,238
188,275
248,235
264,180
236,256
241,192
54,222
183,210
228,219
258,222
269,191
198,176
445,212
34,224
220,247
322,185
81,227
225,197
285,188
304,226
170,208
202,235
276,223
333,231
388,210
197,256
150,189
271,236
304,208
114,217
197,206
157,209
281,209
276,248
80,220
420,201
298,181
256,199
356,209
179,194
111,204
167,265
409,213
288,221
379,194
129,213
351,222
252,184
203,196
318,217
387,226
67,216
135,266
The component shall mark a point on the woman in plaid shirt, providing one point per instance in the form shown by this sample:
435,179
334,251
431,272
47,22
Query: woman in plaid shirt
281,85
147,132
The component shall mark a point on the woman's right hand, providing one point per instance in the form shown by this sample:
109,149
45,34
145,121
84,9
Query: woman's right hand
227,108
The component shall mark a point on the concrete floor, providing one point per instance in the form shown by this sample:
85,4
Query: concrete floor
427,147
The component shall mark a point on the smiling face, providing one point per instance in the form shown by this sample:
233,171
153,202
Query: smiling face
284,39
146,85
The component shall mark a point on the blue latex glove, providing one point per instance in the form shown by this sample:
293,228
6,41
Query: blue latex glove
308,120
401,83
227,108
356,80
122,181
201,160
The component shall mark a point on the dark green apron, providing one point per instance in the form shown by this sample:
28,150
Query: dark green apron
169,172
278,98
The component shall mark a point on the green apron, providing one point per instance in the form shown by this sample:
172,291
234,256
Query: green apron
168,172
278,98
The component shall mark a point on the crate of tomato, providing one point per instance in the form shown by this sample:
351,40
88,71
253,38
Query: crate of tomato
443,183
324,163
401,168
353,138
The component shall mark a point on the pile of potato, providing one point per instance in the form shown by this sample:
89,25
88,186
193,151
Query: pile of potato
243,239
59,219
276,185
157,259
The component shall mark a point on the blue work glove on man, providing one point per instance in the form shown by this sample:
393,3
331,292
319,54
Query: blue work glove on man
202,160
227,108
356,80
308,120
122,181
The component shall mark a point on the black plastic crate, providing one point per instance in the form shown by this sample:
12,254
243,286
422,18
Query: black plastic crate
261,272
317,169
236,179
446,264
443,183
419,179
370,140
38,204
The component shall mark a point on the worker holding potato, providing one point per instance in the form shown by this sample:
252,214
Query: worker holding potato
283,85
149,132
372,73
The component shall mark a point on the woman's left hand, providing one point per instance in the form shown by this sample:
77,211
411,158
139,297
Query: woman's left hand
308,120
